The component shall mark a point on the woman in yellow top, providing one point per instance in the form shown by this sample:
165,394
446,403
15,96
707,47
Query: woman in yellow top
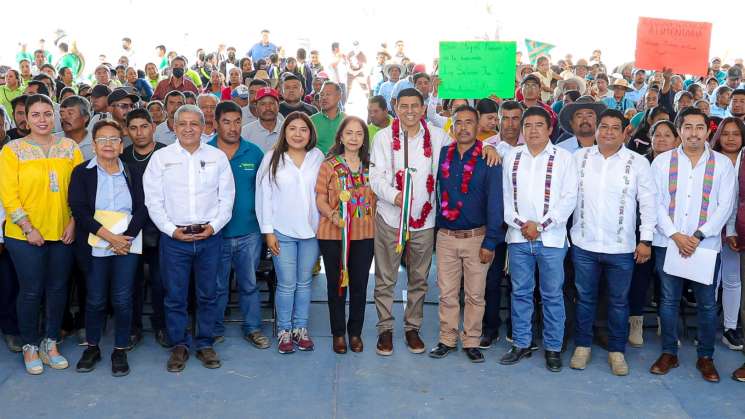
34,175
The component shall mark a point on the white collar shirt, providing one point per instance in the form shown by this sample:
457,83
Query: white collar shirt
526,202
609,189
183,188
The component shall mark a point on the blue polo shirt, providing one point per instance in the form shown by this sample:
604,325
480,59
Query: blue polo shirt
244,164
482,205
260,51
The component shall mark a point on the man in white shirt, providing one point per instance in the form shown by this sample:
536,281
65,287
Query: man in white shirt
165,132
696,193
189,193
510,114
390,155
540,190
612,179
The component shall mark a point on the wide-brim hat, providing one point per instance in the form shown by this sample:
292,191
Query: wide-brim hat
389,67
581,84
621,83
585,102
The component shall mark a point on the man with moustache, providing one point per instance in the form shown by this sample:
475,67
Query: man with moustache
580,119
75,113
264,131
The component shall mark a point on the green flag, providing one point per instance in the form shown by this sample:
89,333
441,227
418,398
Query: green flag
536,49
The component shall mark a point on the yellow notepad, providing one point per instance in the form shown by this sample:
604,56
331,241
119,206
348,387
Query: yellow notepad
117,223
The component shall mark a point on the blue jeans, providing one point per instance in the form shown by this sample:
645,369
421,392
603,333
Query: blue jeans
294,267
706,308
523,259
43,272
177,262
242,254
114,275
617,269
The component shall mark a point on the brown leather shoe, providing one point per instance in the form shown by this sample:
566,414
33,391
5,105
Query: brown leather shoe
738,375
708,370
355,343
177,361
209,358
413,342
340,345
385,344
664,364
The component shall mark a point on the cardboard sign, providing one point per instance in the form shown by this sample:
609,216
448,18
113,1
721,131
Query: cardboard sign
477,69
680,45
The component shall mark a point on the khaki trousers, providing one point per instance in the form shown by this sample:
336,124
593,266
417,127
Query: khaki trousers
459,258
418,260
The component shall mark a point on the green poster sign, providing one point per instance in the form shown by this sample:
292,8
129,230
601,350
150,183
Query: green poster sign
477,69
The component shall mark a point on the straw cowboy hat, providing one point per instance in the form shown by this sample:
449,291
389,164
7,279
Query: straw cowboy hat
621,83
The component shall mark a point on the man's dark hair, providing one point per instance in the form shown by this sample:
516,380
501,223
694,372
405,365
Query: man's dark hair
171,94
334,46
301,54
614,113
273,58
63,47
41,87
161,47
258,82
737,92
380,101
18,100
138,113
315,51
127,39
410,92
190,95
39,51
466,108
535,111
689,111
48,66
511,105
418,76
226,107
290,76
83,105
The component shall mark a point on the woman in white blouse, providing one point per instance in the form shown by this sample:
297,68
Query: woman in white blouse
288,216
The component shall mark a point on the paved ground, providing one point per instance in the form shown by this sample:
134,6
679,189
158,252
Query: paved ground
321,384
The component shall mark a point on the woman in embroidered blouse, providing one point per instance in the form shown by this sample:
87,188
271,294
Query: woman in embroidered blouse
104,183
288,216
343,179
39,228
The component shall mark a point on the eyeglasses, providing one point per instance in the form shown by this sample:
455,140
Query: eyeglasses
108,140
123,106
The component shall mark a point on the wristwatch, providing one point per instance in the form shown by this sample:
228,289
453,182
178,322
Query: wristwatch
539,228
647,243
699,235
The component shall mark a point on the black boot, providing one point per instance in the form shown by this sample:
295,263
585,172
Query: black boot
119,364
91,356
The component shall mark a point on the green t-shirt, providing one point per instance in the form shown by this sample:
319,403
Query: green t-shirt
24,55
373,129
163,63
194,77
70,61
326,129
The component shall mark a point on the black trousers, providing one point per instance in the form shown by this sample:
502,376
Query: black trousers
8,296
360,259
78,285
493,293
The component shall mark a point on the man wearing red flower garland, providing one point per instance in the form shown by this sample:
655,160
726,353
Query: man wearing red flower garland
407,142
470,228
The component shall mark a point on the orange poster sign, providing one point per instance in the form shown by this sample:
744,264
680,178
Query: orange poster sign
680,45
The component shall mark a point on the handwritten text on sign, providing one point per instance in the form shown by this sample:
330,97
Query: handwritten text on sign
680,45
477,69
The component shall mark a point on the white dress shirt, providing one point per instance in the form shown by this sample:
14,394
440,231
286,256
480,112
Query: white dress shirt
503,147
183,188
531,186
689,195
164,135
287,204
605,216
382,174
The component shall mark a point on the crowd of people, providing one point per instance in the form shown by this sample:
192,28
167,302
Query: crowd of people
167,175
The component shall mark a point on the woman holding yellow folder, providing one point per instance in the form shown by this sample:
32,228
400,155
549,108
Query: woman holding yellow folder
108,203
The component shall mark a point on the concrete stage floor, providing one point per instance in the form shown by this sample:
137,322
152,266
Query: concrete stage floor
264,384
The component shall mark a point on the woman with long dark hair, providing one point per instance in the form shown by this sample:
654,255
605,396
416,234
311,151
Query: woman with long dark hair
288,217
346,230
728,140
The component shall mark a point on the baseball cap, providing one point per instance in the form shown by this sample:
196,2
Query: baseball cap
240,92
267,91
100,90
121,93
530,77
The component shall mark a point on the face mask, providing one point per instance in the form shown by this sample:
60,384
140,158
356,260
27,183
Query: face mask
178,72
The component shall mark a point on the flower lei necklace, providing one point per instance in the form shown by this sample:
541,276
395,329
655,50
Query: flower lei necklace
452,214
427,207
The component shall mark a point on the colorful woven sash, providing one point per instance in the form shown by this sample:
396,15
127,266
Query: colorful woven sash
672,186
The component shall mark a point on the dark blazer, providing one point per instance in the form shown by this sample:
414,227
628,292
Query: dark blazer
81,196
